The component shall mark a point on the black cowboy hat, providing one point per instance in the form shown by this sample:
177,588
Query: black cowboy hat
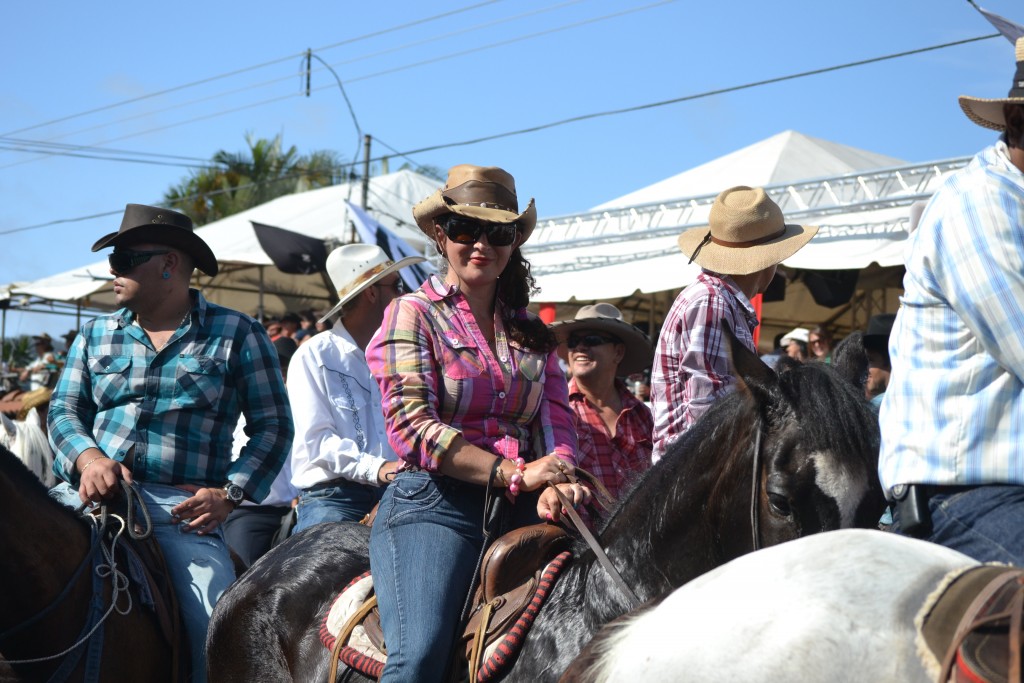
143,224
876,338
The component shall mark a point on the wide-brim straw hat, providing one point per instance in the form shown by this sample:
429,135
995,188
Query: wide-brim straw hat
607,318
486,193
746,232
988,113
354,267
143,224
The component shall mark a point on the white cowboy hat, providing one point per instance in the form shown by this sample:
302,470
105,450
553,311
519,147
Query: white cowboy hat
607,318
746,233
486,193
988,113
800,334
354,267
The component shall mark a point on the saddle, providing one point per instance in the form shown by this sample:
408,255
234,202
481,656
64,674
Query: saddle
511,577
974,627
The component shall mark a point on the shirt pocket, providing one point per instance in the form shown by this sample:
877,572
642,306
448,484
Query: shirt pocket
460,357
199,381
111,376
532,365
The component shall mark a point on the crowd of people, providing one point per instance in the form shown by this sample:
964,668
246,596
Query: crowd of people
461,415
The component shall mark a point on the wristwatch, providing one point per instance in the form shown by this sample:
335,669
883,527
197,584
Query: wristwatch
235,493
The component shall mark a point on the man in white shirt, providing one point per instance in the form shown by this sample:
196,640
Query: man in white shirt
341,457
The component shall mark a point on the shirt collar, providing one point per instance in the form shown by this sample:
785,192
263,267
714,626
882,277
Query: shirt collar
730,286
124,317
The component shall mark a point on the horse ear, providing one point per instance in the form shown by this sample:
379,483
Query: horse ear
850,360
752,374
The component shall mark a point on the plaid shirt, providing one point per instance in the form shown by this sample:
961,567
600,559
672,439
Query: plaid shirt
953,413
439,379
691,363
613,459
178,407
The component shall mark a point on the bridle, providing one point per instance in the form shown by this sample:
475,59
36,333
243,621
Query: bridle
755,490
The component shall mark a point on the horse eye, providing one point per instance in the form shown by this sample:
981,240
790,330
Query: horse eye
779,504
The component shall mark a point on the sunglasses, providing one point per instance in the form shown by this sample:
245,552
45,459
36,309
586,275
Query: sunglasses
398,285
125,261
467,231
590,340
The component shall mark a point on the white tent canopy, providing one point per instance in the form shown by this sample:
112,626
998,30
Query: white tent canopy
859,199
248,280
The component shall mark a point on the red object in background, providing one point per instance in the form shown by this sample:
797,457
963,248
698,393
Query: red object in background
547,313
756,301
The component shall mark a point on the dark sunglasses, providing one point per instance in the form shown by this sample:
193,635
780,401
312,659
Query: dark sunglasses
467,231
398,285
590,340
125,261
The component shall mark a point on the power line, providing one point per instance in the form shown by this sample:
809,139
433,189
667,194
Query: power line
625,110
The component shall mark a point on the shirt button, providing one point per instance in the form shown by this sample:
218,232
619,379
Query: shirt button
501,394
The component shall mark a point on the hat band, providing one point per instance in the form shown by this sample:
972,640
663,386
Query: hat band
361,280
1017,90
749,243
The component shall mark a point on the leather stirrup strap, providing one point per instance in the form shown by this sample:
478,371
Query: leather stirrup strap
479,638
345,632
598,551
971,621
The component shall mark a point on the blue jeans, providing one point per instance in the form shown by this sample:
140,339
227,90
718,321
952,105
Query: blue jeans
424,546
983,522
200,567
341,501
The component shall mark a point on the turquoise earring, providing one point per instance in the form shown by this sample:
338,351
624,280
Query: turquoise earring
167,275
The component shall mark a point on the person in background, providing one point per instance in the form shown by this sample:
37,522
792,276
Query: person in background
747,237
952,418
476,408
819,342
613,426
341,458
876,344
151,394
795,344
42,371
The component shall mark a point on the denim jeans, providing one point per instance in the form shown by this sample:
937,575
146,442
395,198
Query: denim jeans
983,522
424,546
342,501
200,567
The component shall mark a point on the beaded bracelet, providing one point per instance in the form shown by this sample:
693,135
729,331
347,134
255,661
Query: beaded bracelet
517,478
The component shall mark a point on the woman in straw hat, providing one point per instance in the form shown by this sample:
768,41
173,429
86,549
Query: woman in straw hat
747,237
470,382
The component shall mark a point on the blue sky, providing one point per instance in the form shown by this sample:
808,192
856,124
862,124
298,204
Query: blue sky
485,69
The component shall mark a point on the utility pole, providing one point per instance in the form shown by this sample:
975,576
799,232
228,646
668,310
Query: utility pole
366,169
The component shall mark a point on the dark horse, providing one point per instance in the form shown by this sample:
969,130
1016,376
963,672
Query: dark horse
806,431
45,601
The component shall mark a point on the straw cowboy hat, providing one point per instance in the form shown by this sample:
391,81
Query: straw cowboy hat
746,233
148,224
607,318
988,113
354,267
486,193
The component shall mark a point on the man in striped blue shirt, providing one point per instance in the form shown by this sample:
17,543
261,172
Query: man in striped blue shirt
952,418
151,394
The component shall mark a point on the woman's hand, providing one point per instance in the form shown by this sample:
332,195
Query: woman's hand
549,507
549,469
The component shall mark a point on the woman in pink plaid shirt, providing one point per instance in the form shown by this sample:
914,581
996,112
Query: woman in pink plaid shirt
475,406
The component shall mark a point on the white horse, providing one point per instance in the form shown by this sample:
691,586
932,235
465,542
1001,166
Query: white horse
836,606
27,441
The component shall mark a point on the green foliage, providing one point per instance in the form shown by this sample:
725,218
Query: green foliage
17,351
242,180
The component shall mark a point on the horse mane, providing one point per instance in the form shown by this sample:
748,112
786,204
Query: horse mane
13,470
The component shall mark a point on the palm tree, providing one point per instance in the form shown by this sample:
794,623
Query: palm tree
241,180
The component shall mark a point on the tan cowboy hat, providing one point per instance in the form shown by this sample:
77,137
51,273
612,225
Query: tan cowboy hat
988,113
607,318
746,233
354,267
149,224
486,193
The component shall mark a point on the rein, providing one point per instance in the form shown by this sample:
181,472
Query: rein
755,489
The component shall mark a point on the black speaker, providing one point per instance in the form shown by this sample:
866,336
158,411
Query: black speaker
831,288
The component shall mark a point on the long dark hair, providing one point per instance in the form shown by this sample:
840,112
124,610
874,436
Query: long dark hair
515,285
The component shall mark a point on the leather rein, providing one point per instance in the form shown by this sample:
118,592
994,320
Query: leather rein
755,490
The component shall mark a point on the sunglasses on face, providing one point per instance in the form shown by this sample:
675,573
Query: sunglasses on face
467,231
589,340
125,261
398,285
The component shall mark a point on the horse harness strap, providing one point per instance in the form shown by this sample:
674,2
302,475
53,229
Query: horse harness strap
755,489
602,557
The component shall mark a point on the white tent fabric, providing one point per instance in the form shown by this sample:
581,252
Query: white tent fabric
248,281
616,257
